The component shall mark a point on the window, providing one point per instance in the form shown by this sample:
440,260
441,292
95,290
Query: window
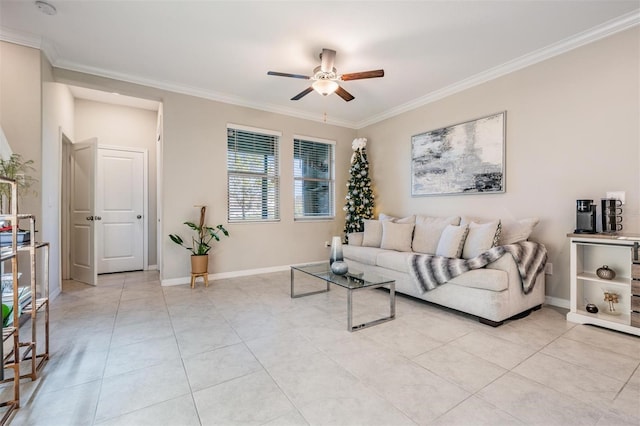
253,174
313,166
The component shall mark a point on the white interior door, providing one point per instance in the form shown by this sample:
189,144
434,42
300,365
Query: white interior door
120,210
83,179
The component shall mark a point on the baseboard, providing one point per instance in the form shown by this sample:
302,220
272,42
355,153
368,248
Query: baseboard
224,275
556,301
54,294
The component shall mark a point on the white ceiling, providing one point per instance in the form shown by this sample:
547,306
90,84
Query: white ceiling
222,50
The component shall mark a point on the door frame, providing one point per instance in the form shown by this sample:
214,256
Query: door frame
65,216
145,196
66,147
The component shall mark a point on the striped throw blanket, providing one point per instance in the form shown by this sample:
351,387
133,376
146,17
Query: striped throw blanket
430,271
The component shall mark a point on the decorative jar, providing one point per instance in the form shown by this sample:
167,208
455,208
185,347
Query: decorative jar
605,273
339,267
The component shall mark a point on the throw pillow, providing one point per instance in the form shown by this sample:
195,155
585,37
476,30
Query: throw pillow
428,231
514,231
396,236
452,241
372,233
408,219
481,237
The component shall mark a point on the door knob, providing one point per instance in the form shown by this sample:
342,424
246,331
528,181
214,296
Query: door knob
89,217
98,217
139,216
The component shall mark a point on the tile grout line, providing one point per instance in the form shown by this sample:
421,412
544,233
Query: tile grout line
184,367
95,413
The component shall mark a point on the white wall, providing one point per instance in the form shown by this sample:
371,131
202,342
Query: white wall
20,118
57,118
118,125
194,172
20,108
573,132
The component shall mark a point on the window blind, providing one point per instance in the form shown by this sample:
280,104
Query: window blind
313,169
253,175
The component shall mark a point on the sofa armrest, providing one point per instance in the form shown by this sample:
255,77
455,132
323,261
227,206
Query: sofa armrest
505,263
355,238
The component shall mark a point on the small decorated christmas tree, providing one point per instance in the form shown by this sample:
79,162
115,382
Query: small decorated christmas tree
359,198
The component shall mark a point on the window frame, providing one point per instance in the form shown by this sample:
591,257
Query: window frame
331,181
275,177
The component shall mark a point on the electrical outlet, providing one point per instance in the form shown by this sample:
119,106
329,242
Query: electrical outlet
618,195
549,269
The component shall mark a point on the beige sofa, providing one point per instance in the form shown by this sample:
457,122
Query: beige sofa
493,293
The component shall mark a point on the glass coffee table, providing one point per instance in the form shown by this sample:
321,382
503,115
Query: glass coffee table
352,282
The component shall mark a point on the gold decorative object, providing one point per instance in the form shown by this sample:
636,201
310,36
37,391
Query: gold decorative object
612,298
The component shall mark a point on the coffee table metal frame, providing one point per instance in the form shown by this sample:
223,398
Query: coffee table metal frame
351,283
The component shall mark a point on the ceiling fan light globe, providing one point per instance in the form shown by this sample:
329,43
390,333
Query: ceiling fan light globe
325,87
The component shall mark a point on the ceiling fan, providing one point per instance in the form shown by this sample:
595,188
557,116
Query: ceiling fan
325,78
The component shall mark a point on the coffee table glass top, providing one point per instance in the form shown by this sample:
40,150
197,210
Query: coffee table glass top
351,280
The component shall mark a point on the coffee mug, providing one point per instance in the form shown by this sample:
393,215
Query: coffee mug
610,211
614,219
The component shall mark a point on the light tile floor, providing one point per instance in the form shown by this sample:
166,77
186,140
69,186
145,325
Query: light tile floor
130,352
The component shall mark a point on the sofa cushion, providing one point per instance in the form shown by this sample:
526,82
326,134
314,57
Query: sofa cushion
366,255
394,260
514,231
355,238
452,241
372,233
428,230
396,236
485,279
481,237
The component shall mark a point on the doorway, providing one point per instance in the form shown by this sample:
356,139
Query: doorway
107,198
120,206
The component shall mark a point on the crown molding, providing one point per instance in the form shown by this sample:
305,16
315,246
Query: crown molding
21,38
29,40
200,93
601,31
604,30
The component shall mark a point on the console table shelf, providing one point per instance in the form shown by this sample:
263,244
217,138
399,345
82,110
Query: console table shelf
620,253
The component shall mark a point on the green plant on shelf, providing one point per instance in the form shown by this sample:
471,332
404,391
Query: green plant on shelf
18,169
6,315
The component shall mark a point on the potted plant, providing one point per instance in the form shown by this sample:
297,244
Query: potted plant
201,242
18,169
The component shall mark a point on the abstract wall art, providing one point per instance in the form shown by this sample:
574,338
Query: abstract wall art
466,158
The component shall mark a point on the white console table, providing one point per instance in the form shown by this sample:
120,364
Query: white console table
620,253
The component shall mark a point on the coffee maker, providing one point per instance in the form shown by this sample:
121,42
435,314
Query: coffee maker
585,217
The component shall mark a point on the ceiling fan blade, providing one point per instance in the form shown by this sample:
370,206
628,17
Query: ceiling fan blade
303,93
344,94
284,74
328,57
361,75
